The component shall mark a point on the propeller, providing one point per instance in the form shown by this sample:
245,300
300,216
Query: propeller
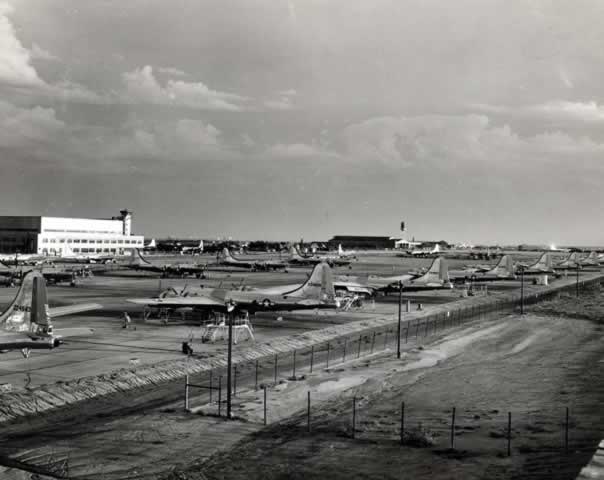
230,306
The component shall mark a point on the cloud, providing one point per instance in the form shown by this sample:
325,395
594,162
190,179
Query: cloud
175,72
28,128
299,150
142,86
39,53
17,72
555,110
15,59
459,141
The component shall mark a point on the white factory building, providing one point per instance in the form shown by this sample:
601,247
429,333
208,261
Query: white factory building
64,236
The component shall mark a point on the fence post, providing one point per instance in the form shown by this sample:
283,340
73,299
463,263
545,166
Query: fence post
402,423
566,432
235,381
359,350
509,434
219,395
372,341
453,429
294,367
275,374
264,404
256,380
186,392
312,357
354,414
308,413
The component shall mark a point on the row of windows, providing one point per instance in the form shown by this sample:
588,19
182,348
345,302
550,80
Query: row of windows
82,250
67,230
85,240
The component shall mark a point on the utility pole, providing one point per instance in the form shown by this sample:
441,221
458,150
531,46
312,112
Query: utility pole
521,290
400,303
229,363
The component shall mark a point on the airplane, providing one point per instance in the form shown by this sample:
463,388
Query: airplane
569,263
504,270
151,246
26,324
192,250
296,258
540,267
138,263
68,256
591,261
225,259
435,278
51,274
346,254
426,252
317,292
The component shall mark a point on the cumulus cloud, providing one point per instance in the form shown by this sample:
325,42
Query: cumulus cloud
454,141
555,109
15,59
299,150
175,72
142,86
16,70
28,127
39,53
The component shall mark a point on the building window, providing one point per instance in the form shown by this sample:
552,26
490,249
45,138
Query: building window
76,250
62,240
76,240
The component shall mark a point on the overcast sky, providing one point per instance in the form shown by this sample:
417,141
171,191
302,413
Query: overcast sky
473,120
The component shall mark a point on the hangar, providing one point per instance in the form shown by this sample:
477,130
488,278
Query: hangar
63,235
362,242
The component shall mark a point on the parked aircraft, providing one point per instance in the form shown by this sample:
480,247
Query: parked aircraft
540,267
297,258
426,252
26,324
225,259
317,292
504,270
151,246
51,274
569,263
435,278
68,256
193,250
591,261
138,263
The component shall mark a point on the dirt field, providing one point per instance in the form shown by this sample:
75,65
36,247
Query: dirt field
534,367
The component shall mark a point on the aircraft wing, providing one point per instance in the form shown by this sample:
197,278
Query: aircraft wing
73,332
178,302
72,309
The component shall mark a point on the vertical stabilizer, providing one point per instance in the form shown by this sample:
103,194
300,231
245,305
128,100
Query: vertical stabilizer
136,258
438,272
29,309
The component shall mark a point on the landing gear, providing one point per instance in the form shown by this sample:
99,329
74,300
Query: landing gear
25,352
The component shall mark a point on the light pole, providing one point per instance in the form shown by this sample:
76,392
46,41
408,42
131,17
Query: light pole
400,301
230,308
521,290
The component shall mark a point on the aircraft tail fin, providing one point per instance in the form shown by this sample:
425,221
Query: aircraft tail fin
340,250
152,244
572,257
294,253
544,262
319,284
592,256
29,309
136,258
504,266
225,255
438,271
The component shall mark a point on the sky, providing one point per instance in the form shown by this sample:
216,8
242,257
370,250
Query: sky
476,121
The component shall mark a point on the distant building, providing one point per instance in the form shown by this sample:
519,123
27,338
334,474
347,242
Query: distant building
63,235
362,242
